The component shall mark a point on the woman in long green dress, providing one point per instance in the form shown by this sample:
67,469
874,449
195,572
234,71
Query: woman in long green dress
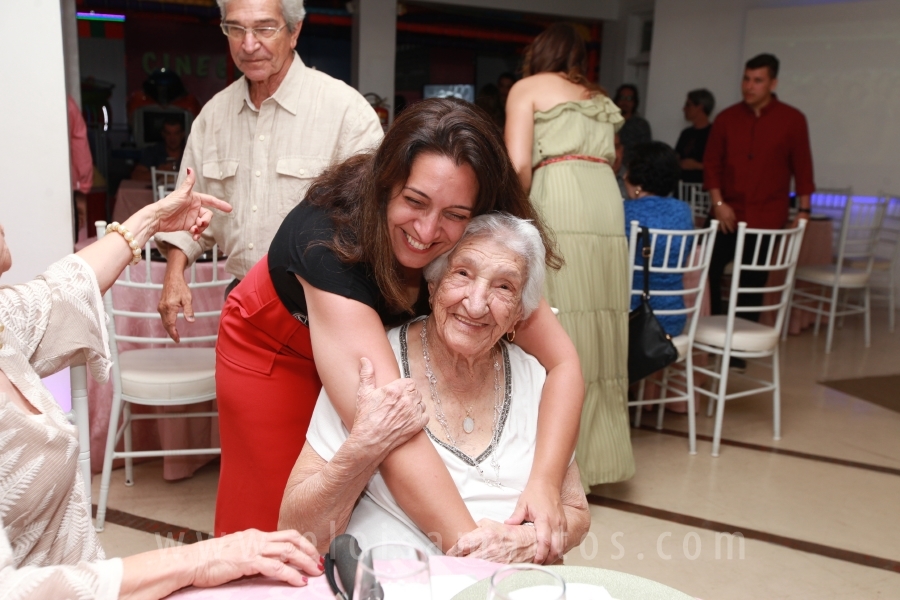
560,132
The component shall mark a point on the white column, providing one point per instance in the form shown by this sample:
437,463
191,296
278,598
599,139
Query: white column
70,49
375,47
36,197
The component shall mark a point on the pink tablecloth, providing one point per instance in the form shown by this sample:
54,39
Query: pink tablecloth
131,197
449,576
170,433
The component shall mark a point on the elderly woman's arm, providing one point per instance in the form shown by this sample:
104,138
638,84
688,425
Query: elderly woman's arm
498,542
182,210
320,495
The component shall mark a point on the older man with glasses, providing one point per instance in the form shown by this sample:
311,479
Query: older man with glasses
259,143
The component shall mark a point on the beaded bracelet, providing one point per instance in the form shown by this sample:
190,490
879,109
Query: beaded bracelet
123,231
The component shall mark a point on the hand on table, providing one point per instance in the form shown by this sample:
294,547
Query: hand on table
283,555
542,505
498,542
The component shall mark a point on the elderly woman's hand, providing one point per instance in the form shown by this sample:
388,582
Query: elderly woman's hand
388,416
497,542
185,209
283,555
542,505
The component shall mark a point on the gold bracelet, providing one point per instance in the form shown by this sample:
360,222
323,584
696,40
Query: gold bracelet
123,231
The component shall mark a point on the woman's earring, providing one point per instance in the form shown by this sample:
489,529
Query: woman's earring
510,336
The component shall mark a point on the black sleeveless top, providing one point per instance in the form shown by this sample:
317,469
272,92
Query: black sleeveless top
300,248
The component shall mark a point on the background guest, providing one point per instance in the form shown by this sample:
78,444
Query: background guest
560,128
636,129
489,100
164,155
755,148
81,163
650,181
692,142
505,82
282,122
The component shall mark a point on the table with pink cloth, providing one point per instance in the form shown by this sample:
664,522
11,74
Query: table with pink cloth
168,433
449,576
131,197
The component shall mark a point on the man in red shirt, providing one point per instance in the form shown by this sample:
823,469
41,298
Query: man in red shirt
754,149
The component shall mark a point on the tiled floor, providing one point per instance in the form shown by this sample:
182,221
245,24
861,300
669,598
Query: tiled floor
812,528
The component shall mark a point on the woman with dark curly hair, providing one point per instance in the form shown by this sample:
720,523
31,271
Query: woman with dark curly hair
560,129
347,262
650,181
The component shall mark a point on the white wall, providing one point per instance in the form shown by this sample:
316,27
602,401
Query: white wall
36,204
841,66
621,41
698,43
583,9
374,47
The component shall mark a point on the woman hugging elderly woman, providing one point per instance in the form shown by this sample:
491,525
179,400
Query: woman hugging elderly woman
480,398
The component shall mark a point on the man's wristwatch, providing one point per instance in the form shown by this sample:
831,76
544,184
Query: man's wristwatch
804,210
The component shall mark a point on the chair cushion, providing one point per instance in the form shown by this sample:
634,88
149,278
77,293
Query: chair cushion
168,373
825,275
879,264
681,343
748,336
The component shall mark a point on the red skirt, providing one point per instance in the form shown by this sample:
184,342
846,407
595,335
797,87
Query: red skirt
266,389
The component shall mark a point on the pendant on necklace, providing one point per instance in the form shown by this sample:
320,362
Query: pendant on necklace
469,425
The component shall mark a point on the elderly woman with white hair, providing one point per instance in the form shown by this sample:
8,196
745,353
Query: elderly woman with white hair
480,402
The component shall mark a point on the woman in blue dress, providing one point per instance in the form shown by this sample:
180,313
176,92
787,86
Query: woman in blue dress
651,179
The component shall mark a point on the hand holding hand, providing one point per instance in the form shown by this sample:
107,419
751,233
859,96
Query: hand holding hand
542,505
283,555
498,542
388,416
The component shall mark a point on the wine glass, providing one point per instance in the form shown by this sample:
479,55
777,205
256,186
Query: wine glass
392,571
526,582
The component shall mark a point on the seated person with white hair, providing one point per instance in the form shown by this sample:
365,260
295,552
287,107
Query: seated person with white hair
480,397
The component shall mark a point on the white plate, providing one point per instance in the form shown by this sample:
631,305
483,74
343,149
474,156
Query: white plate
620,586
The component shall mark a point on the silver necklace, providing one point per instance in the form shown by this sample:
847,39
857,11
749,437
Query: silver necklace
468,422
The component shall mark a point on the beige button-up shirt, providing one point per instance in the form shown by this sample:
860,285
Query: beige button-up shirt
263,161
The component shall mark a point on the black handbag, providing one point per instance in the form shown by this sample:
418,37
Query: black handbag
650,348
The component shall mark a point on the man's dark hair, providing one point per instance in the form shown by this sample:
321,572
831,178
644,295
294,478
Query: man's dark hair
654,167
633,88
704,99
764,60
173,120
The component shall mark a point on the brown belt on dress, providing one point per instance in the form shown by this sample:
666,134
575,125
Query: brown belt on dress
556,159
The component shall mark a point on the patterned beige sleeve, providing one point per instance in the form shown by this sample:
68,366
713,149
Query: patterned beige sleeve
99,580
76,324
